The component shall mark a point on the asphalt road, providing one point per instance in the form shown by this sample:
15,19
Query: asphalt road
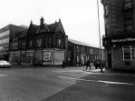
99,87
34,84
56,84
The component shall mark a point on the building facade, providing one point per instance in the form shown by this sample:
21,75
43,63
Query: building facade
6,33
40,45
119,39
79,53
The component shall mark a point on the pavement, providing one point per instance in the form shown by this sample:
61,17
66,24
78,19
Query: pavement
97,86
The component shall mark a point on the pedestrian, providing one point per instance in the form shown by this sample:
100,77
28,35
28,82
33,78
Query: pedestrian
101,66
63,64
87,65
91,65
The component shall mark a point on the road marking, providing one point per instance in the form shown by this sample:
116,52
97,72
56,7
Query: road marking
99,81
115,83
3,75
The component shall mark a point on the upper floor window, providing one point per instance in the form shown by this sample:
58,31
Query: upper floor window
23,44
59,43
50,42
91,51
14,45
128,4
106,10
39,42
129,28
133,52
30,43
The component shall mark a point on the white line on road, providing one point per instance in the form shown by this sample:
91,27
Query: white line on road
115,83
100,81
3,75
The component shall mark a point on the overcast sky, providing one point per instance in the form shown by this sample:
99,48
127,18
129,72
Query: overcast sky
79,17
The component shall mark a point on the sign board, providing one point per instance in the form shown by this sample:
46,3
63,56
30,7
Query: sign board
47,57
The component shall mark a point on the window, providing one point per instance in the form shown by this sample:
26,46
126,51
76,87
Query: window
129,28
128,53
39,42
30,43
91,51
133,52
59,43
23,44
14,45
106,11
50,42
128,4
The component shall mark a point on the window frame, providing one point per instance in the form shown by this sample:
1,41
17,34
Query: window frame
130,50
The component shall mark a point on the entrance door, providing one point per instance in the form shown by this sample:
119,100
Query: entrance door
109,60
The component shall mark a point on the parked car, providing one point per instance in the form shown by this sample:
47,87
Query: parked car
4,63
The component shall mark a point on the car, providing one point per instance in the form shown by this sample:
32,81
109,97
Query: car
4,63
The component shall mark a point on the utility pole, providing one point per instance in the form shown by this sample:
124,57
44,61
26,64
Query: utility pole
99,31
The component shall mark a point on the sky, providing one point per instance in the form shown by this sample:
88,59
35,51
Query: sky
79,17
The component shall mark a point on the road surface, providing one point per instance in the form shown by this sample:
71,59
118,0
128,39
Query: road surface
70,84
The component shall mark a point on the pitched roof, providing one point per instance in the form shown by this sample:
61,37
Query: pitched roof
80,43
54,27
59,27
13,27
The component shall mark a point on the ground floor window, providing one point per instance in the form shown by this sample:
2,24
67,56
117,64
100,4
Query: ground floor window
133,52
128,53
15,57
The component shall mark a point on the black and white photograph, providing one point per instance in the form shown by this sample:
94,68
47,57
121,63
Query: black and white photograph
67,50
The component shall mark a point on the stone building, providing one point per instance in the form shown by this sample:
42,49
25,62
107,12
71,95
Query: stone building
47,44
119,39
43,44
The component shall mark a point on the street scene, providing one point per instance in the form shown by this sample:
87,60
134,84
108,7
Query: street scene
67,50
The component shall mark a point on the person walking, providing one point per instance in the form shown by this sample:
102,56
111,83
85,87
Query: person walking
87,65
64,64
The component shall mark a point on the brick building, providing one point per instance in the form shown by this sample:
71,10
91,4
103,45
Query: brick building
119,39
